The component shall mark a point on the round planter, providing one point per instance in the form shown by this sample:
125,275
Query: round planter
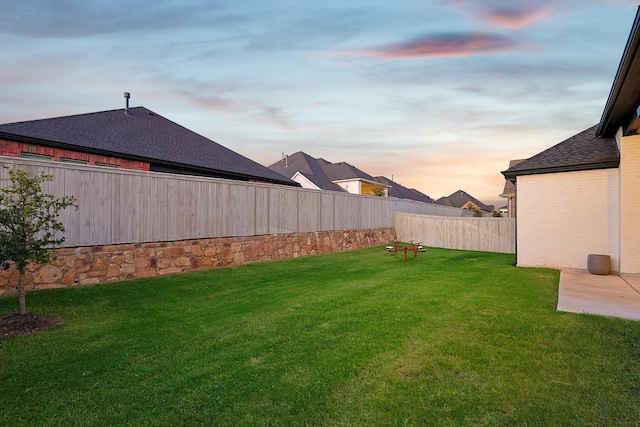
599,264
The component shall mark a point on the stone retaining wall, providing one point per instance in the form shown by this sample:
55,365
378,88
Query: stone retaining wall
112,263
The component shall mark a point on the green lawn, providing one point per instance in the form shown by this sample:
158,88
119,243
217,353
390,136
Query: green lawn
348,339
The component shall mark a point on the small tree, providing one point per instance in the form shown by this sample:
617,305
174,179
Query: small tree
379,189
476,211
28,224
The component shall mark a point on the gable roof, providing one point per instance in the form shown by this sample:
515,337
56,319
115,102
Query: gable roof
307,166
623,104
343,171
584,151
459,198
398,191
509,187
323,173
140,134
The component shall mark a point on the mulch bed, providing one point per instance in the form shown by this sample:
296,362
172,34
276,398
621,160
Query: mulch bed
15,325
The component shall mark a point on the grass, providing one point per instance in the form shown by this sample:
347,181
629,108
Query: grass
346,339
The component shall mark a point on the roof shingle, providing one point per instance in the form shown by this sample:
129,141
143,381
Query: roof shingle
583,151
459,198
143,135
510,187
401,192
308,166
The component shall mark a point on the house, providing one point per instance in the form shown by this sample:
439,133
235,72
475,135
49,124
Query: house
400,192
462,199
306,171
130,138
352,179
591,183
319,174
509,192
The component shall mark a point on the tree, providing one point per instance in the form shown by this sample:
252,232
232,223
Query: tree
476,211
28,224
379,189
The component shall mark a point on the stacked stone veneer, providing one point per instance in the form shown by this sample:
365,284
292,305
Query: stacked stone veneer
112,263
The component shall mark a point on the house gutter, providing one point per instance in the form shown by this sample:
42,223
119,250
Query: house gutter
607,163
607,128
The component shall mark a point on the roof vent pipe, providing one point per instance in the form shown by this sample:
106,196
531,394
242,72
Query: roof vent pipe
127,95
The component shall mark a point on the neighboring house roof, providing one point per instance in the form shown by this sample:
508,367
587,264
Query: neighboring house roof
343,171
460,198
584,151
510,187
324,175
320,172
623,104
401,192
309,167
140,134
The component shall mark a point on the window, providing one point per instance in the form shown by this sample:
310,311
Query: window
106,165
33,156
78,162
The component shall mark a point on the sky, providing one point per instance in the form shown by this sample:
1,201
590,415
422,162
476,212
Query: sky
437,94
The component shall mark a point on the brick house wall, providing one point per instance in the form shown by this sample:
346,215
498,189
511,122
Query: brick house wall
16,149
563,217
511,206
630,204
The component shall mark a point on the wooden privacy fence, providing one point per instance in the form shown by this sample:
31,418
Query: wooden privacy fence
123,206
475,234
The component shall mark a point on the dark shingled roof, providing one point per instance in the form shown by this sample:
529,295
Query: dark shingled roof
141,135
307,166
584,151
401,192
459,198
510,187
322,173
342,171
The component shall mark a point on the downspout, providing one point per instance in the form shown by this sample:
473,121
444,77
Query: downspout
515,184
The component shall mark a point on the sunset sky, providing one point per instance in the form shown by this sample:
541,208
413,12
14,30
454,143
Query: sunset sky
439,94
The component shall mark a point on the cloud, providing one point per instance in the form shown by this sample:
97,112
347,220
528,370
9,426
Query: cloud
79,18
506,14
442,46
243,109
513,18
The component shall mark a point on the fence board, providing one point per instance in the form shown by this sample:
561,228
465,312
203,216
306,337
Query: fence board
308,210
475,234
124,206
283,210
327,211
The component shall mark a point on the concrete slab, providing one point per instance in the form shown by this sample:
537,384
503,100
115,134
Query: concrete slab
633,281
614,296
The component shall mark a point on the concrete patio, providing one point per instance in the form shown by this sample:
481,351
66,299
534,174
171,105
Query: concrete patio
615,296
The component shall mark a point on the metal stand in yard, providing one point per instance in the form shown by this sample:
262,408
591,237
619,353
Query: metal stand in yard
413,247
